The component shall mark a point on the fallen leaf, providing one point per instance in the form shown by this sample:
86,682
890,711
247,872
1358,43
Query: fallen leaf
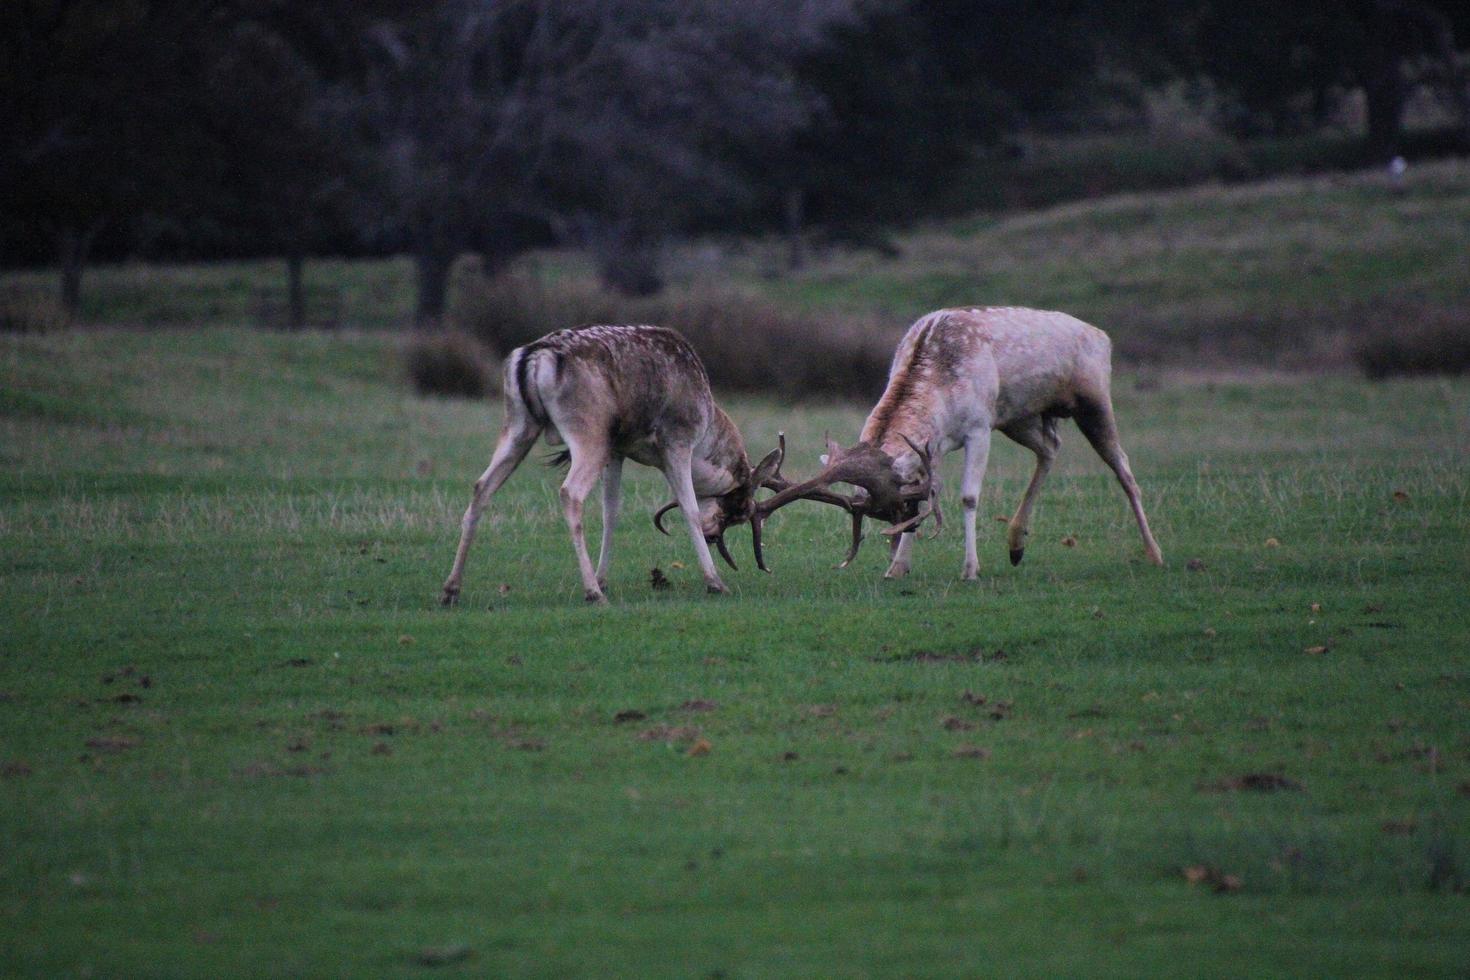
406,641
1195,565
503,588
1069,542
1209,633
953,724
792,757
1204,874
1255,782
1316,650
444,955
668,733
1272,543
700,747
382,748
1002,519
1400,496
629,714
1316,608
970,697
112,744
677,565
698,704
971,752
14,770
821,710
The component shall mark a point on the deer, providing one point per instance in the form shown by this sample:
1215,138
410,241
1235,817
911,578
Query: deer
957,376
612,393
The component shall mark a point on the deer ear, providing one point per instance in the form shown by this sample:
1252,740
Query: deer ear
767,468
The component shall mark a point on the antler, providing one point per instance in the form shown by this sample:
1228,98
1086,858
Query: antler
926,490
786,492
658,516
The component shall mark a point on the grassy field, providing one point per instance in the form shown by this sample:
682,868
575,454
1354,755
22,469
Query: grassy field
238,737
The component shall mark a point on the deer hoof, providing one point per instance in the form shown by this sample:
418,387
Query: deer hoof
716,588
896,571
1016,554
449,597
596,598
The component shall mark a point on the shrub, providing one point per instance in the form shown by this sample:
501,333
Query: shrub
30,312
1437,345
747,343
449,363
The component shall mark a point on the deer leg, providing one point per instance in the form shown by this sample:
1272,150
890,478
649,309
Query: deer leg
902,547
587,464
517,437
1097,424
1038,434
977,455
612,483
680,475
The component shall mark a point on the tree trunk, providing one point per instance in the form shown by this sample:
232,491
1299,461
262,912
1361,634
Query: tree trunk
295,290
433,267
1385,95
1384,88
795,223
75,244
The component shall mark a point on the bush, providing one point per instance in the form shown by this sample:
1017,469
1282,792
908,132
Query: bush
449,363
1439,345
30,312
747,343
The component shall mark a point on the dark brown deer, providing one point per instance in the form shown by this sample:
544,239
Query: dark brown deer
958,375
610,393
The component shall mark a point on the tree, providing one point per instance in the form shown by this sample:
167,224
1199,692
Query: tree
908,91
491,125
103,115
1283,63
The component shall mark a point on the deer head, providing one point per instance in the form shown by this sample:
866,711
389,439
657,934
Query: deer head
740,505
901,491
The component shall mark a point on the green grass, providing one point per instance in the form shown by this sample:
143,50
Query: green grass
240,738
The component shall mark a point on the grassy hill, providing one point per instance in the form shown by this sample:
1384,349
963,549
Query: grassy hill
1291,272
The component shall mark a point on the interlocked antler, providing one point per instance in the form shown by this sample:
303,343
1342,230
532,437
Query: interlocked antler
768,475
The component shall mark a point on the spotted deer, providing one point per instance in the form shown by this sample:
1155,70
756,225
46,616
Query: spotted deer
610,393
958,375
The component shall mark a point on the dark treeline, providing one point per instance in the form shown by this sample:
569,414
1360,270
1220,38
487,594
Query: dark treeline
225,128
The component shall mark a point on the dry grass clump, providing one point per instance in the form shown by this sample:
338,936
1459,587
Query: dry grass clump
747,343
1437,344
449,363
25,311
